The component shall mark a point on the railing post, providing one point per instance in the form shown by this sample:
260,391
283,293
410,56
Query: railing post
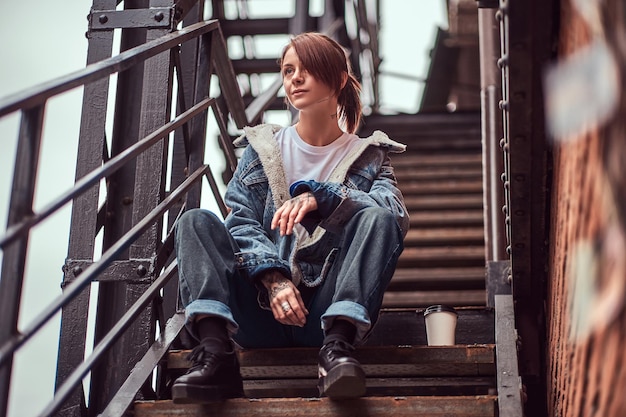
14,256
83,226
491,126
143,104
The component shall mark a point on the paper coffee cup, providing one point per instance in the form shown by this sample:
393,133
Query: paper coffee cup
440,325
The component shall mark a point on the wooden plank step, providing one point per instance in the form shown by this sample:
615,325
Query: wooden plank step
377,361
406,326
435,160
442,256
444,202
459,186
263,388
445,236
444,144
413,406
439,173
400,299
435,218
408,279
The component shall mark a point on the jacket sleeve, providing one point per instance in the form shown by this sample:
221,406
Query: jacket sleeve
247,221
372,185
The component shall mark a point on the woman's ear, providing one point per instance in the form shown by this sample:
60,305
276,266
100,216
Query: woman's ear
344,80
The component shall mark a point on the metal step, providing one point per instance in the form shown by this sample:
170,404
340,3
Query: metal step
406,406
421,279
451,218
390,370
445,236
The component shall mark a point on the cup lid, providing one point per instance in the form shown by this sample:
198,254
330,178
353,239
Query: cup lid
438,308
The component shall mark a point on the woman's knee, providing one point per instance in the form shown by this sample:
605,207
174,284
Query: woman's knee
197,218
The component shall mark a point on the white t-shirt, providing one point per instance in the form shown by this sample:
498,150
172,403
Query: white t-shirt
304,162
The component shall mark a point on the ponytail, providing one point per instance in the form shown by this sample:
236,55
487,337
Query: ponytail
349,102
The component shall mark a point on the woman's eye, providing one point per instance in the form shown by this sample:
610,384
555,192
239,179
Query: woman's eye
288,71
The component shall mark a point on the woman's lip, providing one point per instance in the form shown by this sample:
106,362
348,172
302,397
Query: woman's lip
295,92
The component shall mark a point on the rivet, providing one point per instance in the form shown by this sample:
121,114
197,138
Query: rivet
142,270
77,270
159,16
103,19
504,105
503,61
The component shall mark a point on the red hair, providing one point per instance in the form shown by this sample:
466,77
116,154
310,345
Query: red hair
326,60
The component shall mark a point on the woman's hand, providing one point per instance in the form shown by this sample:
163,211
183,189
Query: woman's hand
293,211
285,300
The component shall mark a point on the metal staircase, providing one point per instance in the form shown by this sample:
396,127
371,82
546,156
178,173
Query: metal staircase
132,367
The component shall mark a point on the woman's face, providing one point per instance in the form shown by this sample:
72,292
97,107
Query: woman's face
302,89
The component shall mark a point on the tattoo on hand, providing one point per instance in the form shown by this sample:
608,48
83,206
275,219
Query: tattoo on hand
278,288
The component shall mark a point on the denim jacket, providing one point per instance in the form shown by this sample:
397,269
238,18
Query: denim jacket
258,187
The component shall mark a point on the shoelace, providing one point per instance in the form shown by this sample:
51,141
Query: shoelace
200,357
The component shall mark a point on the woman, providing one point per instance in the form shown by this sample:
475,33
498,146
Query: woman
314,232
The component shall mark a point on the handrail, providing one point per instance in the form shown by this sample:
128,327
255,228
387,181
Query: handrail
7,349
32,102
40,94
112,165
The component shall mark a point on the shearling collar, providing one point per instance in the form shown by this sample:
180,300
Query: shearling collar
261,138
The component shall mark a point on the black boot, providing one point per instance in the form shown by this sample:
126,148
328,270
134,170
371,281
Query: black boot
340,375
213,376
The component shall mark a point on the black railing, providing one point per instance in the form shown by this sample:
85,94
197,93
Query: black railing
22,218
137,243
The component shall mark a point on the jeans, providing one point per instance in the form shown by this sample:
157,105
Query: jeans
211,283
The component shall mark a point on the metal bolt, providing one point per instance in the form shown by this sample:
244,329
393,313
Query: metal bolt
103,19
504,105
77,270
503,177
503,61
159,16
142,270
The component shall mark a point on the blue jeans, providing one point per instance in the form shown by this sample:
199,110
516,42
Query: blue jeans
211,284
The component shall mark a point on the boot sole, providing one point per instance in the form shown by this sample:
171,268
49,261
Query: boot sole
343,381
202,394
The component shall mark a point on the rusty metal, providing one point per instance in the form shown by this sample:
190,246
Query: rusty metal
122,325
89,274
125,60
153,17
126,394
111,166
14,256
83,225
527,39
493,161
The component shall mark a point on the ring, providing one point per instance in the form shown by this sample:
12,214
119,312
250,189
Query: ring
286,307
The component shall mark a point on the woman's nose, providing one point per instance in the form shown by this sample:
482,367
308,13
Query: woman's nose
298,77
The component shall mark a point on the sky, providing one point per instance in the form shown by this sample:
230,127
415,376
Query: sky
41,40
